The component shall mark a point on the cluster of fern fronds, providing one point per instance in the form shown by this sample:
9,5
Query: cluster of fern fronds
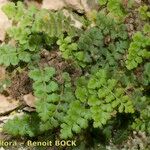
110,89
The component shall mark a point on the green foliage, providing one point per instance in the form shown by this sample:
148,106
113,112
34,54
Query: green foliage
32,30
25,125
34,20
103,96
101,76
47,103
52,103
138,50
115,7
14,12
67,47
75,120
144,12
52,23
106,43
142,122
9,55
102,2
146,74
106,97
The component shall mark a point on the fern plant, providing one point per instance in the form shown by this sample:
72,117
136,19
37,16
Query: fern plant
115,7
48,103
103,96
52,102
142,123
106,43
32,30
146,74
106,97
144,12
75,120
67,47
9,55
99,97
138,50
26,125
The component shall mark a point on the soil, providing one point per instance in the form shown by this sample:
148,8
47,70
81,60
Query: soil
54,59
21,85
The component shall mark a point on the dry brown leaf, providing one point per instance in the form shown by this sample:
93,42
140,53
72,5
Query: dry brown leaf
29,100
7,104
5,23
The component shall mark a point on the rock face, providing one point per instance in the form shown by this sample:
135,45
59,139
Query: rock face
29,99
78,5
53,4
89,5
75,4
4,22
7,104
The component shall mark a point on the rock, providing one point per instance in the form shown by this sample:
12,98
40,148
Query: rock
5,23
75,4
29,100
53,4
89,5
29,109
138,1
33,2
79,5
76,23
7,104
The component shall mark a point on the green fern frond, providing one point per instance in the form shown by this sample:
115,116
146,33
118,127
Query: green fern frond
106,96
45,90
9,55
142,123
51,101
138,50
75,120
